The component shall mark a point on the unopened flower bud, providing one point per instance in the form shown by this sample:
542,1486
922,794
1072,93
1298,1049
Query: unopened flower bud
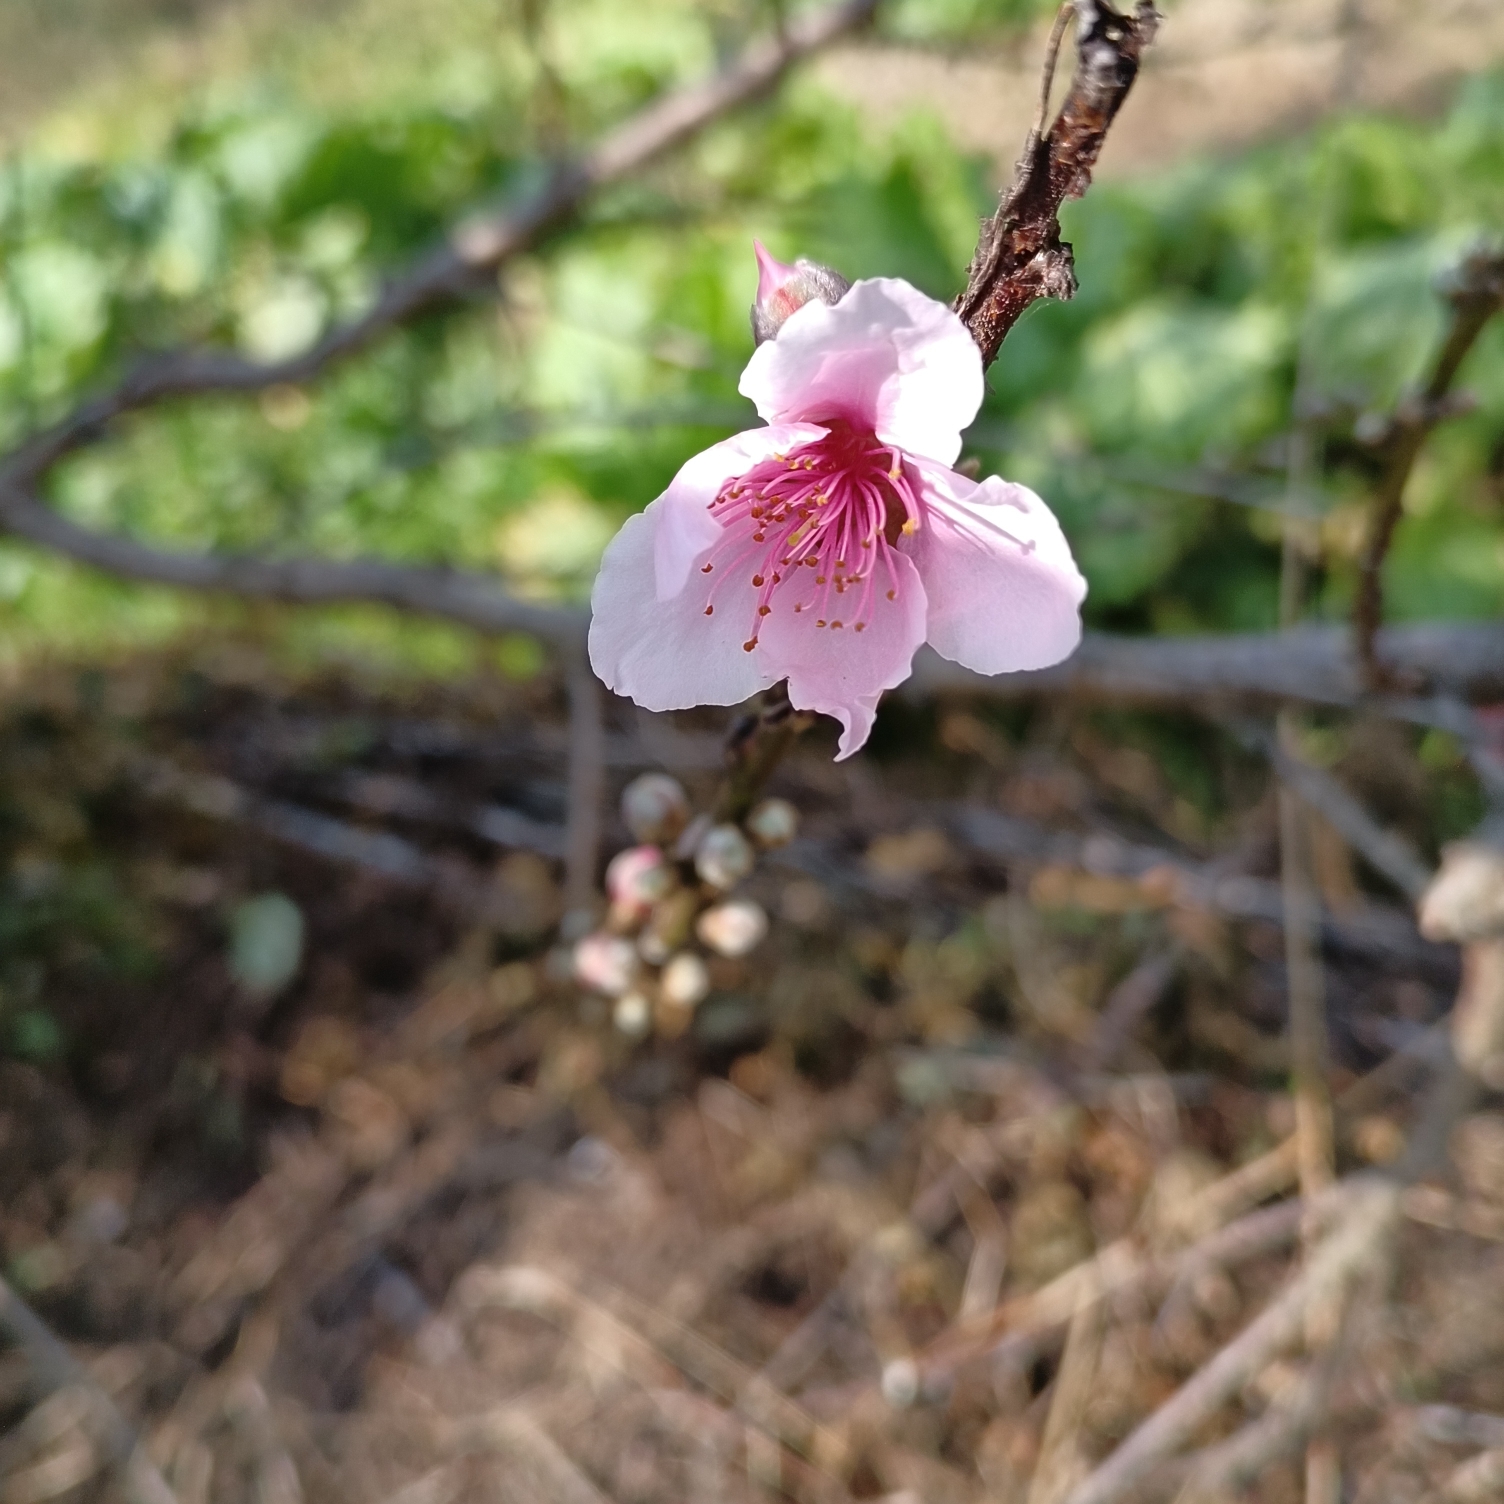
724,857
732,928
685,980
782,290
773,822
606,964
635,880
633,1015
654,808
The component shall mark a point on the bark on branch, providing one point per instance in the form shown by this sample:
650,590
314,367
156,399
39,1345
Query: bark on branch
1020,255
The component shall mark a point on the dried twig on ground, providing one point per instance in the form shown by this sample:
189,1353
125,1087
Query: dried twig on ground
1476,1481
1168,879
1360,1244
1120,1271
1343,1257
1228,1468
1060,1461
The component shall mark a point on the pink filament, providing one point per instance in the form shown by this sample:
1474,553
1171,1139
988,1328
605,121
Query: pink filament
817,525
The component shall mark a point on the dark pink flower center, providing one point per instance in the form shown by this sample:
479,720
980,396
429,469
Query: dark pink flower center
817,529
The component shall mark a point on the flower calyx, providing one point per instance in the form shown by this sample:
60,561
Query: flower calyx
782,290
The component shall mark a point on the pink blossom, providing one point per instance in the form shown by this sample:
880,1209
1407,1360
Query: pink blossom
825,547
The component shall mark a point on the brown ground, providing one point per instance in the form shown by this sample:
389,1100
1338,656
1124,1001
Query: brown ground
424,1226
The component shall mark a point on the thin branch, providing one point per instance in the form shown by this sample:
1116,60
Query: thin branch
1228,1468
1476,294
1312,665
1386,851
1306,990
461,267
1020,256
755,746
1137,995
469,598
1122,1273
376,852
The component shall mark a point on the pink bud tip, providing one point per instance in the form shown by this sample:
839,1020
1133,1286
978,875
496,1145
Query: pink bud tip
771,273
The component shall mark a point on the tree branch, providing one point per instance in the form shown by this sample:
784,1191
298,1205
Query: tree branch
463,264
1476,294
1020,255
468,597
1313,665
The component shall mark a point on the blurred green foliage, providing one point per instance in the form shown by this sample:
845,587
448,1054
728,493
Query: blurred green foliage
516,434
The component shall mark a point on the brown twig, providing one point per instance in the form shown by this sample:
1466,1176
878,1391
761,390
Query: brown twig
1121,1273
1476,1481
1060,1461
1306,990
755,746
1137,995
1343,1257
1020,256
1476,293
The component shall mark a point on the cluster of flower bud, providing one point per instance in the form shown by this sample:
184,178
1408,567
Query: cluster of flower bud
669,891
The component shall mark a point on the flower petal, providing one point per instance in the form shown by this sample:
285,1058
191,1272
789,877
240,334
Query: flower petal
838,670
1004,591
667,654
886,358
687,530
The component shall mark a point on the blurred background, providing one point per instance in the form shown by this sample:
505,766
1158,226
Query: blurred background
289,1118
